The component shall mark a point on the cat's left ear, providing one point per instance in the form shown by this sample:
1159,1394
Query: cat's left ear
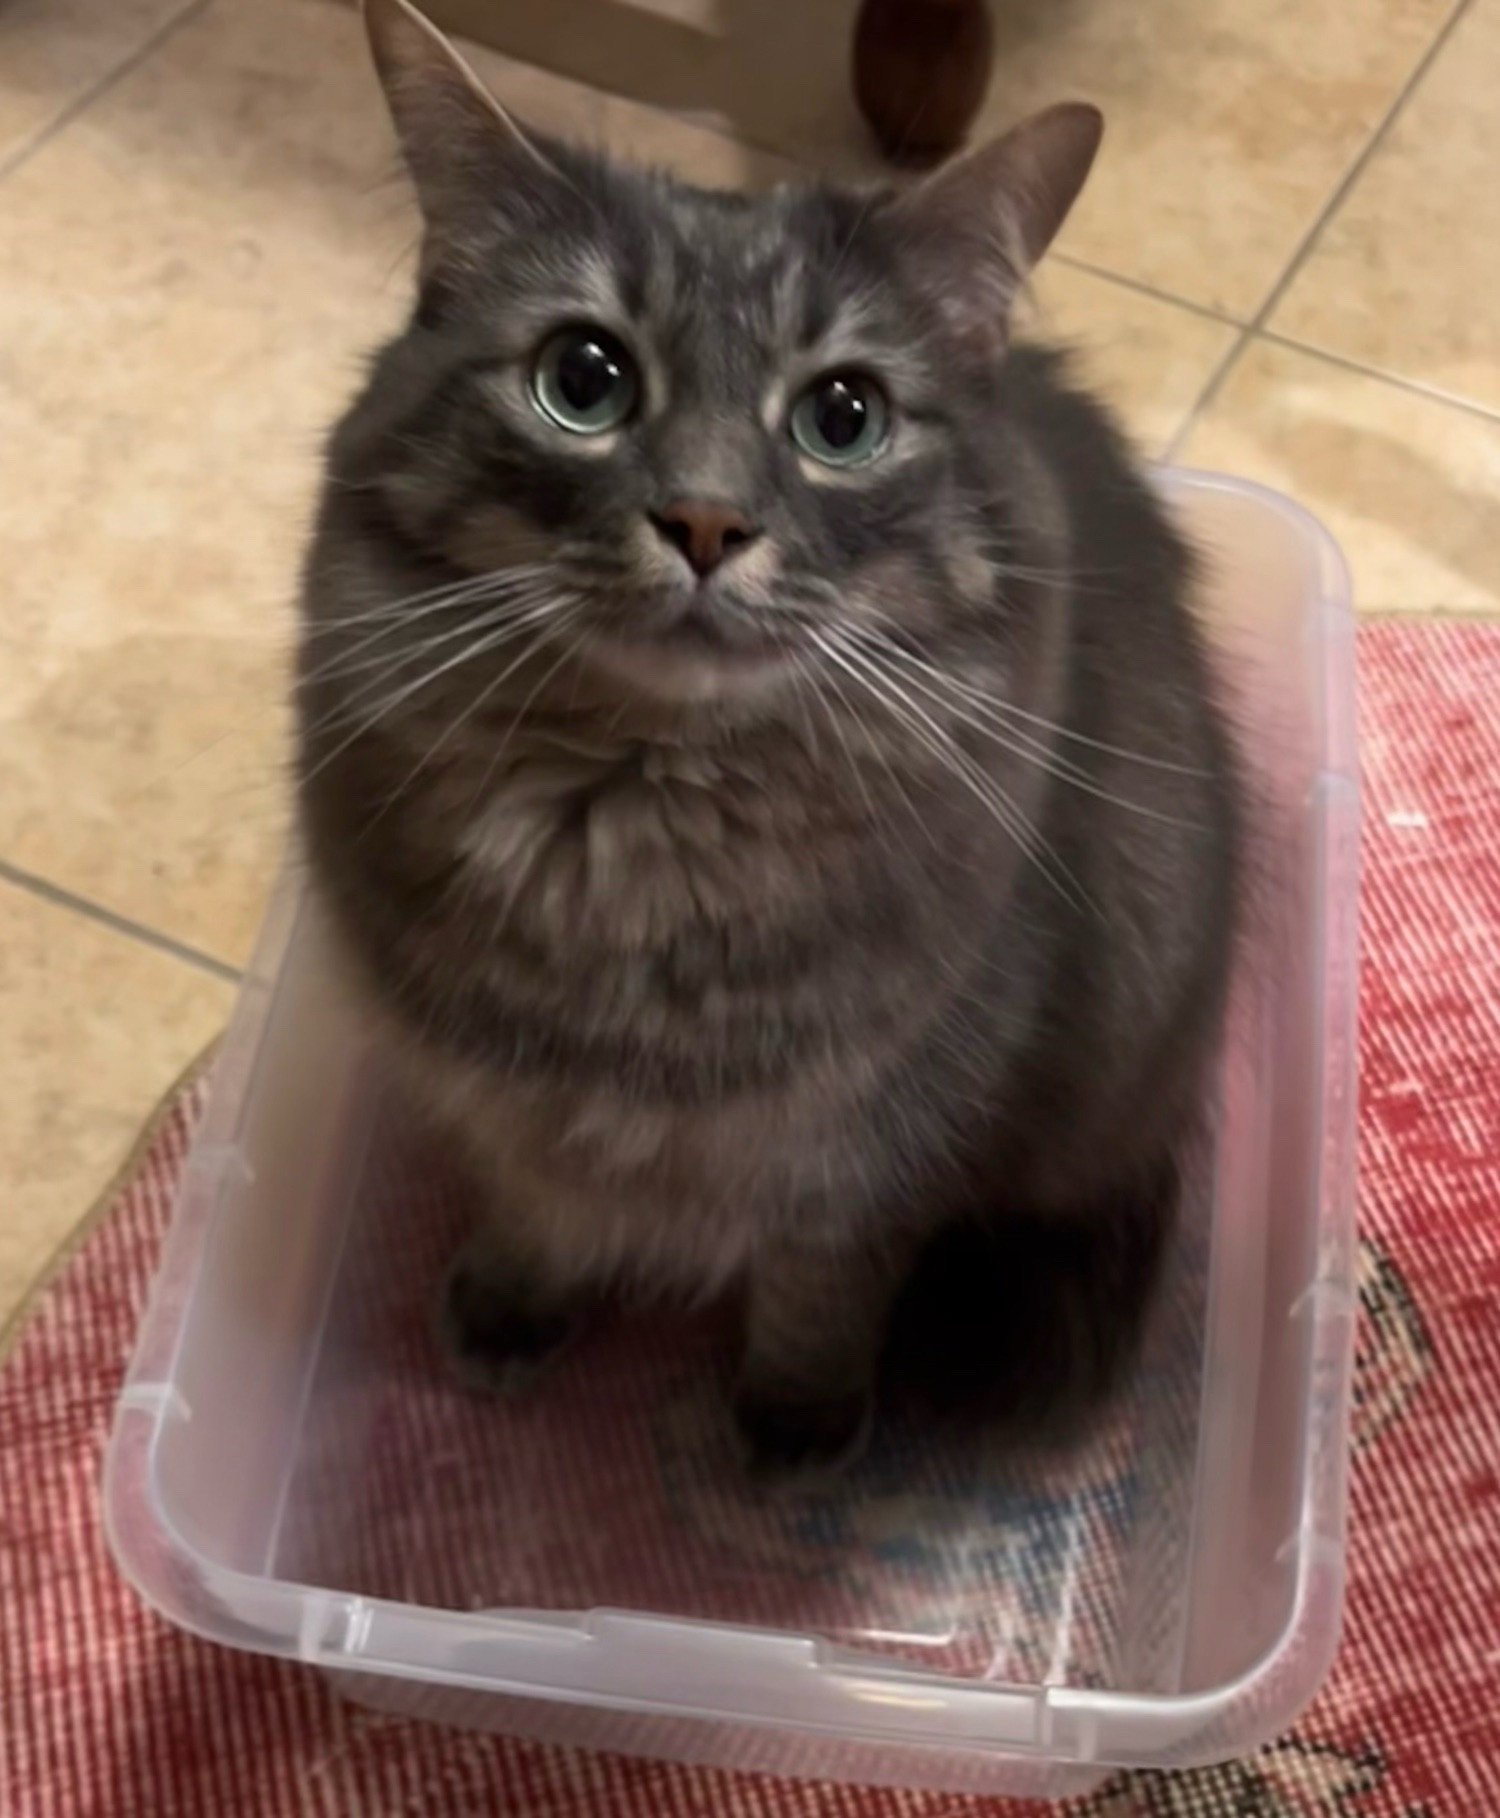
459,143
977,227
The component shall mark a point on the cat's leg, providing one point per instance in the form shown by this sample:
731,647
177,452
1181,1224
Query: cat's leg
508,1305
816,1320
1033,1318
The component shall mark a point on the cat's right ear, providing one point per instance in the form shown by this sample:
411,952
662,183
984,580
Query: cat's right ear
976,228
458,142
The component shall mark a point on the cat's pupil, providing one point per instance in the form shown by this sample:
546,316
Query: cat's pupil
840,414
587,373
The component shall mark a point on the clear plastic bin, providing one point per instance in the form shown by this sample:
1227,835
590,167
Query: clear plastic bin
293,1471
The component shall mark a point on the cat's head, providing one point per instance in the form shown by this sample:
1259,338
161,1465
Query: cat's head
692,434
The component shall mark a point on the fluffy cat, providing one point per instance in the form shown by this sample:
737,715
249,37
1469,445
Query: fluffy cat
760,762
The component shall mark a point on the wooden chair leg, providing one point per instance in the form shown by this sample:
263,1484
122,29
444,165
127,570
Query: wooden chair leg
921,69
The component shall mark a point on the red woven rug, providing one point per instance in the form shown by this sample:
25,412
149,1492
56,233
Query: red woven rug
104,1710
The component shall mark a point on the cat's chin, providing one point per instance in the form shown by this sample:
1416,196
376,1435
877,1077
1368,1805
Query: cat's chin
683,665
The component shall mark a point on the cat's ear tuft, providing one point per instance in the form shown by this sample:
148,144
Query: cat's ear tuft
979,225
456,138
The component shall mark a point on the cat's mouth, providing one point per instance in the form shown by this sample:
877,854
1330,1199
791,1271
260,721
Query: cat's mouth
706,620
705,625
696,644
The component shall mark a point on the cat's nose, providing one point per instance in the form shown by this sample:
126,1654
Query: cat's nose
703,530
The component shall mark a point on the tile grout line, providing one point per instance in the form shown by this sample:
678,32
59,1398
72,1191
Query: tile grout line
29,882
69,112
1304,247
1433,394
1140,286
91,911
1356,170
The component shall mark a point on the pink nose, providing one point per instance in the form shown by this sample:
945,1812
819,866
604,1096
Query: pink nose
704,531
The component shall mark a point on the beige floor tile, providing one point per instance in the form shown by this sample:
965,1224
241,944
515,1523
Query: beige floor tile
1228,122
94,1027
1149,359
53,51
194,266
1407,485
1406,274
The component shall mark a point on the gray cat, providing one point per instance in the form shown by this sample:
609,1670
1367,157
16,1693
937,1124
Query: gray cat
758,757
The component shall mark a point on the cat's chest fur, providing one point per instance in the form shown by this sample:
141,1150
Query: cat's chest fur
707,964
670,920
683,861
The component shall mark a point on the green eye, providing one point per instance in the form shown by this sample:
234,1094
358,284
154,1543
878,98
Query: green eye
842,420
584,381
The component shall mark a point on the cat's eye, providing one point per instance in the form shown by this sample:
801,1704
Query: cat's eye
842,419
584,381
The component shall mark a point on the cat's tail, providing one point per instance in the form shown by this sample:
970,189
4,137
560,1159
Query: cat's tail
1031,1321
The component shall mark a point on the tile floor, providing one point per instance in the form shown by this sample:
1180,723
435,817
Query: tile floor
1283,268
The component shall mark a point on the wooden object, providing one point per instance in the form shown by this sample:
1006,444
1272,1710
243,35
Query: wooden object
921,69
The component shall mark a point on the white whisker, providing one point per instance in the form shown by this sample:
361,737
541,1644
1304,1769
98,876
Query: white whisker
569,650
1029,750
995,704
370,702
397,615
384,708
435,598
941,745
805,689
387,663
556,622
897,785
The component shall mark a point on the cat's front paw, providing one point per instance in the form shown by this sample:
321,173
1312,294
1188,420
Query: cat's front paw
494,1338
790,1439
